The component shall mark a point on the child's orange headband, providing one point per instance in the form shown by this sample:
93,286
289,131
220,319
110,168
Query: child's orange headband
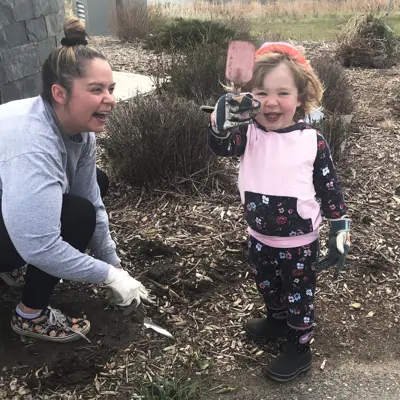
283,48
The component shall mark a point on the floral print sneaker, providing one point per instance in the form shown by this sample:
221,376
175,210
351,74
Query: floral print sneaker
52,325
15,277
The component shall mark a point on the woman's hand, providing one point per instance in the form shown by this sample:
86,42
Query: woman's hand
124,288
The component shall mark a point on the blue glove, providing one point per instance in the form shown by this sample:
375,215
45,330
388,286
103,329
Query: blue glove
338,245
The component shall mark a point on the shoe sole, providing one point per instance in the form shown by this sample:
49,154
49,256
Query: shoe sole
72,338
287,378
9,281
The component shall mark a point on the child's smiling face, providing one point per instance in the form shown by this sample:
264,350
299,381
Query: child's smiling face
279,98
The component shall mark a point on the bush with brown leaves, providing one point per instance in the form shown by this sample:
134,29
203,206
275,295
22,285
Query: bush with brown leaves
160,142
196,73
335,131
135,20
367,41
338,95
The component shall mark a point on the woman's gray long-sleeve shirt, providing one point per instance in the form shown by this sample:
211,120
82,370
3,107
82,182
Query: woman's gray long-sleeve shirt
38,164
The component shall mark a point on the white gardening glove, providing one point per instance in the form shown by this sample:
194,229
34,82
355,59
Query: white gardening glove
124,289
343,242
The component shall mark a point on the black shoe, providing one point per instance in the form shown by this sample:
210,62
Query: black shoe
289,364
266,328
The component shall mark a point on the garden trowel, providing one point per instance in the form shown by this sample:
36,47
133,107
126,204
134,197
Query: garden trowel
139,314
240,63
148,323
239,66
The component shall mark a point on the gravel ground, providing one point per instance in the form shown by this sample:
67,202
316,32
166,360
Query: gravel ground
204,296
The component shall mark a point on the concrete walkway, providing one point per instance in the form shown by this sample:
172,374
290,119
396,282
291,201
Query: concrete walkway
345,380
129,85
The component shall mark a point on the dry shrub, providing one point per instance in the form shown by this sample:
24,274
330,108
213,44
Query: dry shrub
367,41
335,131
395,100
184,33
196,73
135,20
338,95
239,23
266,35
68,8
160,142
196,61
270,9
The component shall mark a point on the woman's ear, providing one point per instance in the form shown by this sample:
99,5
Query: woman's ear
59,94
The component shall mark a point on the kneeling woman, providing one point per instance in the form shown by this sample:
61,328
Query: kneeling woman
51,208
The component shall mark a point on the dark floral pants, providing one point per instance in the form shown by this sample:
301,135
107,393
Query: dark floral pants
286,278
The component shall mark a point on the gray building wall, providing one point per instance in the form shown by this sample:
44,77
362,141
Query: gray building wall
98,14
29,31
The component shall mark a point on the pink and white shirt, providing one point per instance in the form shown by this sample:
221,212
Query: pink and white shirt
287,181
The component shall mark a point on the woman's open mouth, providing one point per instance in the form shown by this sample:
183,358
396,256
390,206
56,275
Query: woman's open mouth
100,116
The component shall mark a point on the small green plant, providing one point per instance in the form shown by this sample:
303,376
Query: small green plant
182,33
367,41
171,389
160,142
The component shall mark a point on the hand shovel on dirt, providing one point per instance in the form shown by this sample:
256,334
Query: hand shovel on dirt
139,314
239,66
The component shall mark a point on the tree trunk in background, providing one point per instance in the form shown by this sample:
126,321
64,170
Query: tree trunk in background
389,7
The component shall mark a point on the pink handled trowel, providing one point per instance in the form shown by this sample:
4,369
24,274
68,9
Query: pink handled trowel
239,66
240,63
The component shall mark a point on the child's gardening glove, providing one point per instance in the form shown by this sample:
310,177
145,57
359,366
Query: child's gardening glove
338,245
231,111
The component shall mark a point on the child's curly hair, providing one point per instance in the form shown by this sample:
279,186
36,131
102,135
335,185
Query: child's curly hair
308,84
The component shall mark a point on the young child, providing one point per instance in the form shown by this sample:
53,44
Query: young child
287,177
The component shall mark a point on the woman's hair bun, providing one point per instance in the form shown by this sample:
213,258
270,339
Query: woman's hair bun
75,30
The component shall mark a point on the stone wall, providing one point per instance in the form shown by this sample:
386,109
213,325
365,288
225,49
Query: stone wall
29,31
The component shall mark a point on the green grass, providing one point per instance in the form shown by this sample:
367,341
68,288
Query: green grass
394,22
313,27
170,389
323,27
